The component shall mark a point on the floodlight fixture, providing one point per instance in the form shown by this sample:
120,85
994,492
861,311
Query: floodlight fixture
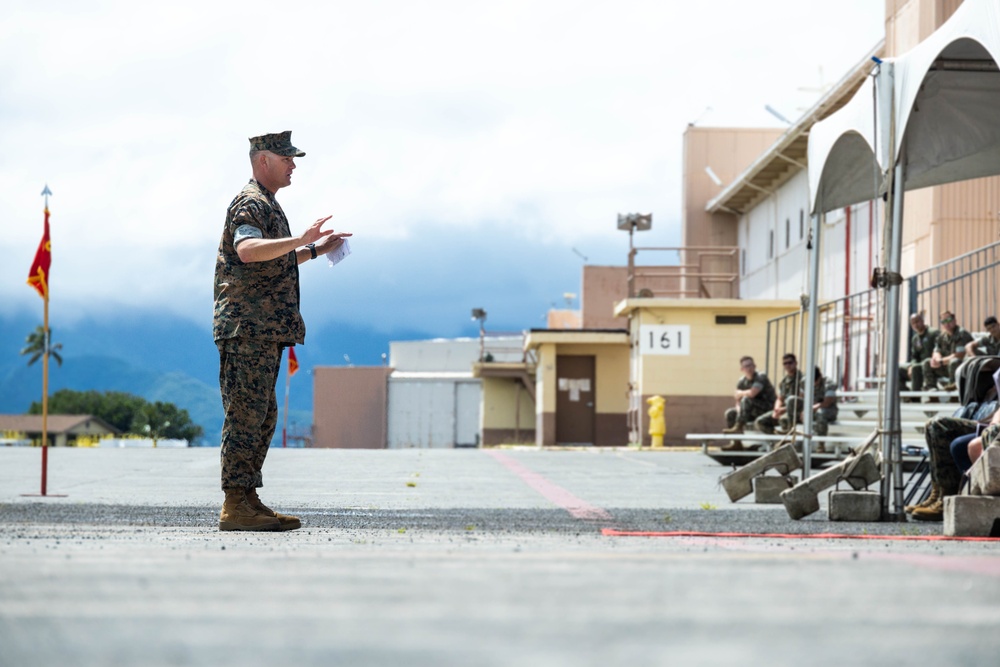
479,314
635,222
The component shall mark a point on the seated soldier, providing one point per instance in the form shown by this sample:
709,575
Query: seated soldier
824,408
988,345
791,385
754,396
949,351
945,435
921,347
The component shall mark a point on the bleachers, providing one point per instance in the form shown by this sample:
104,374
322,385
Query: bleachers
858,416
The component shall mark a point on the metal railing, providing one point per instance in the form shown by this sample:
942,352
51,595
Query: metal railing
848,345
710,272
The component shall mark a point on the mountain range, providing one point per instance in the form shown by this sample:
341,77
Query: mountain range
168,358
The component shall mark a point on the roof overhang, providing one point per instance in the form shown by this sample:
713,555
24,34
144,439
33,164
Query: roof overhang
537,337
789,154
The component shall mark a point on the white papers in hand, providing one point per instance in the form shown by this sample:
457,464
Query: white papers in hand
337,255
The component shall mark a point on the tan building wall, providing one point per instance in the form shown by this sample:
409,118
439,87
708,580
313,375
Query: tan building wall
698,385
603,287
611,371
508,412
349,407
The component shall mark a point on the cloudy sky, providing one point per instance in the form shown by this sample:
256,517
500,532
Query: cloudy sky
477,150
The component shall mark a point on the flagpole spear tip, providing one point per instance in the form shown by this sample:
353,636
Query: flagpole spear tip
46,191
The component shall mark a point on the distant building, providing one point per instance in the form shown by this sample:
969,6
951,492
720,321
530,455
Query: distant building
63,430
427,397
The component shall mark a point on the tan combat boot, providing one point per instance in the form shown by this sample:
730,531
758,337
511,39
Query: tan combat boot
933,512
285,521
930,500
237,514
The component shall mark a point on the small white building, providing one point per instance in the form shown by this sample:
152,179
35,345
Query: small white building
433,399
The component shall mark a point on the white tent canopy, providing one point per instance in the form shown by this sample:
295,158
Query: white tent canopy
946,97
843,164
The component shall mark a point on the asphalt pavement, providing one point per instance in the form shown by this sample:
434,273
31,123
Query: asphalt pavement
465,557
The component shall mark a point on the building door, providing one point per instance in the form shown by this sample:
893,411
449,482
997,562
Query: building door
575,400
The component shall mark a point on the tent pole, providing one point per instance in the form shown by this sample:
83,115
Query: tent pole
809,398
891,437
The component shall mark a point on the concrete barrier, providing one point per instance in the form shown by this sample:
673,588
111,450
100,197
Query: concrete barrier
739,483
854,506
984,476
972,516
767,488
803,498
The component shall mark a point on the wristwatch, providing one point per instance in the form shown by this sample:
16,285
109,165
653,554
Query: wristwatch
312,250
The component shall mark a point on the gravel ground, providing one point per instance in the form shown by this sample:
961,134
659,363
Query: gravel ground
452,558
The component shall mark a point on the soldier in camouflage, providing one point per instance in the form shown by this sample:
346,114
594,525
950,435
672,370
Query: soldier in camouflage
949,351
921,347
754,396
792,385
824,406
256,317
988,345
946,476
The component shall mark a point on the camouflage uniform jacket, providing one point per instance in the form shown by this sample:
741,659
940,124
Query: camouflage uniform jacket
948,343
988,346
256,300
765,397
791,385
922,345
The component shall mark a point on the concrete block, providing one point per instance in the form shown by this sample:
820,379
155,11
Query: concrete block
854,506
739,483
984,476
767,488
972,516
803,498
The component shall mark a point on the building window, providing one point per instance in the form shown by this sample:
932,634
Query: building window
802,224
730,319
743,261
770,245
788,233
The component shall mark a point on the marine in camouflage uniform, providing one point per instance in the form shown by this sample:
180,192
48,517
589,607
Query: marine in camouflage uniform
988,345
824,391
792,385
951,342
921,347
939,433
751,408
256,317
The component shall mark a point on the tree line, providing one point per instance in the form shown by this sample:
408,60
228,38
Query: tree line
126,412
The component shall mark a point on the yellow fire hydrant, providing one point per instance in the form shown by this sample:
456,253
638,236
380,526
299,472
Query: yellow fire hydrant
657,423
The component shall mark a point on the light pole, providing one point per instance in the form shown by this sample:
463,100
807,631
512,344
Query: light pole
480,315
633,222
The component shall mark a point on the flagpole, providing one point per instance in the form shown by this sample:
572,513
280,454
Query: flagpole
45,390
45,366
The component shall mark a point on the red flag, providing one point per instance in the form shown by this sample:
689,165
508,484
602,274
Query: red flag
293,363
38,277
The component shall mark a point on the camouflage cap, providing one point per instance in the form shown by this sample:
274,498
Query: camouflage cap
279,144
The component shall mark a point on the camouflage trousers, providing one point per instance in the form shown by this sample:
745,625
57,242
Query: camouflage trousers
822,419
932,375
248,372
912,376
939,433
748,411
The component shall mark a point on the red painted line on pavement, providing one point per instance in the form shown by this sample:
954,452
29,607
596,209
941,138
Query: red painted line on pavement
612,532
577,507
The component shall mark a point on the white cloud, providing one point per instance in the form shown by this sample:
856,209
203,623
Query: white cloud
538,121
